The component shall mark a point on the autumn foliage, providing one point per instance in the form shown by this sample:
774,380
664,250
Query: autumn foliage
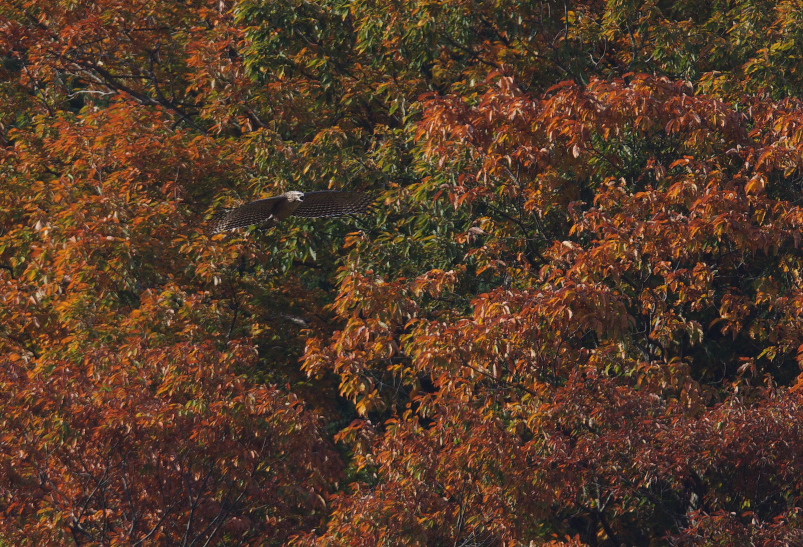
573,315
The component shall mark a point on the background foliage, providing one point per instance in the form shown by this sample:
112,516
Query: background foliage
573,316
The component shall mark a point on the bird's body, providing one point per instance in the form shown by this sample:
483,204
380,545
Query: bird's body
271,211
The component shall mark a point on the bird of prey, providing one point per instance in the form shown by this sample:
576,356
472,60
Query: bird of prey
271,211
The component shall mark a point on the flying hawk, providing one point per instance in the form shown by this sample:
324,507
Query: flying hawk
271,211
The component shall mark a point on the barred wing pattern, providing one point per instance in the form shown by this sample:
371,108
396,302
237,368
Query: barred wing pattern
330,203
255,212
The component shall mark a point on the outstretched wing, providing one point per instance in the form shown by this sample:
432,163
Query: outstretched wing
330,203
255,212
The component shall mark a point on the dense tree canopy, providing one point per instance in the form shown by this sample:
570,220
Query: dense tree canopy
573,315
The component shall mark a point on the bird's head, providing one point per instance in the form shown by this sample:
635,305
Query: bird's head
294,196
